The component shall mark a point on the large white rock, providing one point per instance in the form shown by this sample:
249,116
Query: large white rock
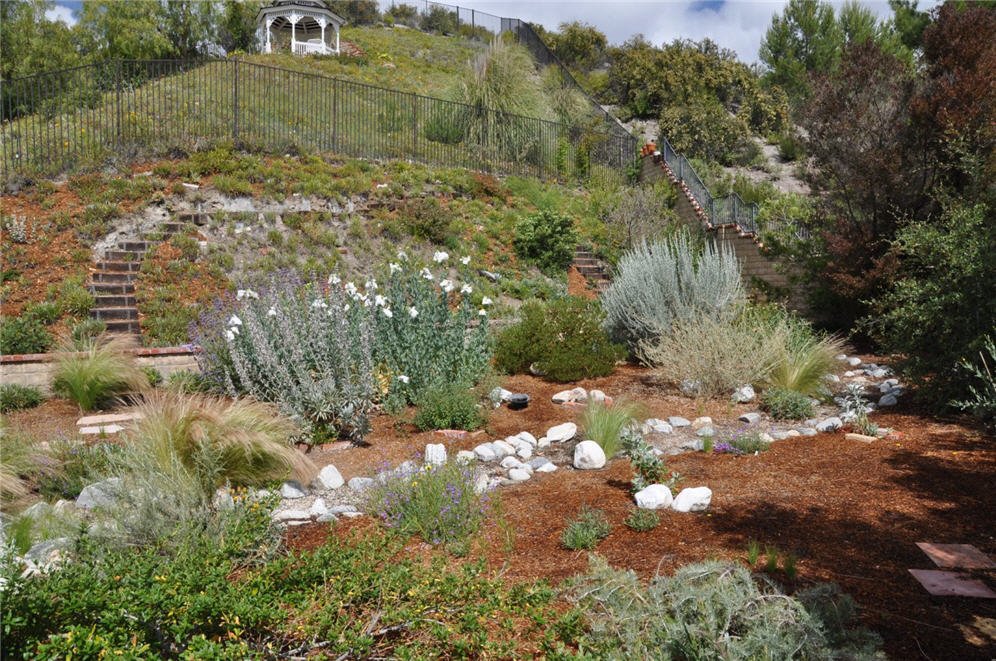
99,494
527,437
548,467
562,396
830,424
854,362
435,454
292,489
328,478
677,421
588,455
360,483
750,418
318,507
502,448
596,396
744,394
657,425
466,456
654,497
524,452
485,452
562,432
518,475
291,515
579,395
510,462
694,499
701,422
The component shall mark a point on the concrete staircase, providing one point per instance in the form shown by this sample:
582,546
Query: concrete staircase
593,269
112,281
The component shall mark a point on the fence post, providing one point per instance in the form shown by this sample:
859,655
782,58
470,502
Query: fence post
235,104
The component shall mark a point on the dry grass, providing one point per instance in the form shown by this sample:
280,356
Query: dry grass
102,371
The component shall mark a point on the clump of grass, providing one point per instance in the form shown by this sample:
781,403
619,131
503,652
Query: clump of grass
804,360
753,552
587,530
102,372
21,461
770,559
642,520
789,563
14,397
604,424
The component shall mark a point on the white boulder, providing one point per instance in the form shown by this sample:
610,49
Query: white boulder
328,478
485,452
744,394
518,475
435,454
695,499
292,489
99,494
562,432
654,497
588,455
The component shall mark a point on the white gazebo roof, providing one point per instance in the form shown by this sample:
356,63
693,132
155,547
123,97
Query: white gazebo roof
305,13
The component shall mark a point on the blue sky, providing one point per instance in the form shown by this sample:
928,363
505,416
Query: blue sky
736,24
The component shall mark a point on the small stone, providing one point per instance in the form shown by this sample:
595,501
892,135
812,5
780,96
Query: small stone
466,456
352,515
676,422
482,483
579,395
291,515
861,437
703,432
502,448
792,433
811,422
879,373
696,445
524,452
292,489
527,437
750,418
99,494
703,421
588,455
842,356
536,462
562,396
518,475
542,442
808,431
38,510
654,497
766,437
318,507
596,396
657,425
854,362
360,483
328,478
779,435
343,509
690,388
695,499
222,499
548,467
832,378
435,454
485,452
64,508
849,374
888,400
830,424
499,395
744,394
49,551
326,517
562,432
510,462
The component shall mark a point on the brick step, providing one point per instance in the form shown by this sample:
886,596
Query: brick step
103,301
137,246
123,255
111,288
113,277
113,314
118,267
122,326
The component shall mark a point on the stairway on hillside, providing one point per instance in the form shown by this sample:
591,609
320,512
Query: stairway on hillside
593,269
112,280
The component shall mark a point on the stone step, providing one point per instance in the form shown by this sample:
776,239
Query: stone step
137,246
111,288
589,270
585,261
115,277
195,217
114,301
123,255
122,326
118,267
114,314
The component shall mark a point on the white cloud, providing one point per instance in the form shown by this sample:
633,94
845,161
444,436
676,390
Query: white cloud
60,13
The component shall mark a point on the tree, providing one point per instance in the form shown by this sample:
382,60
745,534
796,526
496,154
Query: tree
237,29
806,38
130,30
578,45
909,22
356,12
30,43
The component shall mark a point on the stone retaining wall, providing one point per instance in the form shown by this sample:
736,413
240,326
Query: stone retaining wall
37,369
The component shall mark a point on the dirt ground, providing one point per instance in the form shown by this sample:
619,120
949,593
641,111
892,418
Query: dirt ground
851,512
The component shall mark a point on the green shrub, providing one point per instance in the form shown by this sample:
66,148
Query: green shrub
75,298
186,382
703,128
604,424
439,20
786,404
153,375
982,399
22,460
709,610
424,218
233,186
805,359
101,373
547,238
448,406
23,335
742,443
14,397
586,531
95,221
648,468
85,331
437,502
47,312
446,124
667,280
563,338
642,520
791,147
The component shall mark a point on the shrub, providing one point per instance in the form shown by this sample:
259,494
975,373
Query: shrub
103,372
641,213
642,520
75,298
586,531
446,124
425,219
791,147
804,359
47,312
703,128
22,459
604,424
547,238
982,400
704,611
648,468
741,443
233,186
664,281
448,406
85,331
14,397
439,20
563,338
786,404
23,335
437,502
186,382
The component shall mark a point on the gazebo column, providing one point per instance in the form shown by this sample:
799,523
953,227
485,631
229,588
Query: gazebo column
336,39
269,43
294,18
322,23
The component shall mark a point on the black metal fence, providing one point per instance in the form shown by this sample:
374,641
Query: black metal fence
63,120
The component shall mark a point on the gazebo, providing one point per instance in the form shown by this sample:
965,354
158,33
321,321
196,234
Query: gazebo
299,25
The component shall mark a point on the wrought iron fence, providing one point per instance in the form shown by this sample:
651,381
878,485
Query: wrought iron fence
61,120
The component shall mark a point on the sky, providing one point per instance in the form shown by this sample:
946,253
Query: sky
736,24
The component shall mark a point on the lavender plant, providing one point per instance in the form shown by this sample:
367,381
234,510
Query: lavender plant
437,502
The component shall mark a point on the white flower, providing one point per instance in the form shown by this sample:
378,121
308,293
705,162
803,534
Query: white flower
371,284
234,330
318,303
387,312
446,285
345,308
394,267
380,301
235,321
229,335
403,379
402,255
465,260
272,312
466,289
426,273
486,301
334,279
439,256
482,313
412,312
350,289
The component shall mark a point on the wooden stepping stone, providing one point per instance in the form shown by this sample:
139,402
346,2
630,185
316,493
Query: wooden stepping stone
952,584
957,556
